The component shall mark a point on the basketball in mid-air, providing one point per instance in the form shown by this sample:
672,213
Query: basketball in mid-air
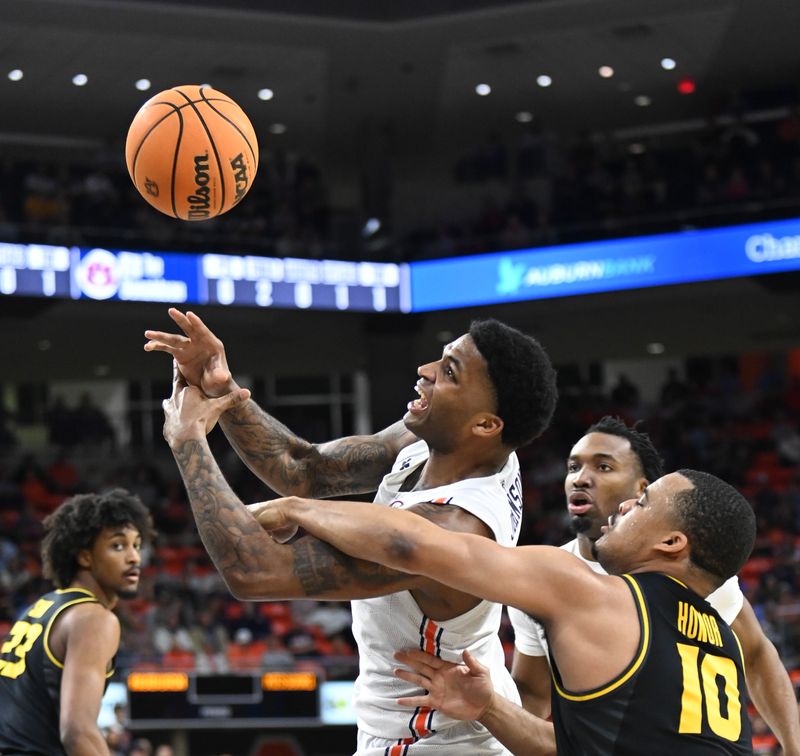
192,152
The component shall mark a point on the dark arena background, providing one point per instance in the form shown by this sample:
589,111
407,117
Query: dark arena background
620,179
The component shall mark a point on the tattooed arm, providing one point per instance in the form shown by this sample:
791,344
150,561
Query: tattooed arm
285,462
290,465
252,564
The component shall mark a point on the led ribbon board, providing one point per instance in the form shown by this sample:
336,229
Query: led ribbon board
40,270
596,267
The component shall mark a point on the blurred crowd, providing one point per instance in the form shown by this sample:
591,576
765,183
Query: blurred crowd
532,188
547,187
65,199
736,417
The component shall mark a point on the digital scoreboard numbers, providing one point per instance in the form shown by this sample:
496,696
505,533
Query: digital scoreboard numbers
35,270
291,283
41,270
193,701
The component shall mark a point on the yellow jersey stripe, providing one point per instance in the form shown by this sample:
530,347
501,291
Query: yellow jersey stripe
644,644
89,598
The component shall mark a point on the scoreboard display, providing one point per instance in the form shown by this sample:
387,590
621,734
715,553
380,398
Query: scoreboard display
42,270
169,700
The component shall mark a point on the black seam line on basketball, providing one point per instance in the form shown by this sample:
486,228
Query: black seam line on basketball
147,134
235,126
185,104
175,163
213,147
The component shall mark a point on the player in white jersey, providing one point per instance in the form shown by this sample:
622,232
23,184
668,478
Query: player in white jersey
609,464
387,624
492,391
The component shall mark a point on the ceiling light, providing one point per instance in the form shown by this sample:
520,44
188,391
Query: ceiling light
44,344
636,148
606,72
655,347
15,75
371,227
277,128
265,94
524,116
483,90
142,84
686,86
80,80
668,64
642,101
544,80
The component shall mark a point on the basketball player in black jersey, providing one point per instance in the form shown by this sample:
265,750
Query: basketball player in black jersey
642,664
59,655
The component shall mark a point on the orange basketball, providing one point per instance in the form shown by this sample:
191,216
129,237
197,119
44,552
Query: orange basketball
191,152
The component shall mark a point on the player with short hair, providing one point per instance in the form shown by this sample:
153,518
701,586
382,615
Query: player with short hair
610,463
492,390
57,659
641,662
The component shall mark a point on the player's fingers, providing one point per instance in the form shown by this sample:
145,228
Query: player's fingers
416,658
195,325
472,663
230,400
164,341
420,667
414,701
179,318
178,381
157,346
421,680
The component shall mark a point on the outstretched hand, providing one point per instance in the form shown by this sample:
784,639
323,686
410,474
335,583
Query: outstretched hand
273,516
461,691
199,353
189,414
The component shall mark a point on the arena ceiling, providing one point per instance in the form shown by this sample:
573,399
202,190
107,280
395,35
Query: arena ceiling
342,70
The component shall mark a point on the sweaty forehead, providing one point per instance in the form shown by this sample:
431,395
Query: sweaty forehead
464,350
461,344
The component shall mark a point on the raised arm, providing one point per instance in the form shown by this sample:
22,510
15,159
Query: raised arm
284,461
768,683
407,542
253,565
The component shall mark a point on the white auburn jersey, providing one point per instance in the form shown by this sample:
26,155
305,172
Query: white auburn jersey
530,638
387,624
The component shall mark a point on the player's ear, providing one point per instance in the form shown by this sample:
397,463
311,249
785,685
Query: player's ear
487,425
641,484
672,543
84,559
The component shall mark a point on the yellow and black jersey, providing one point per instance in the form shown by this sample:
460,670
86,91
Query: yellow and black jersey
30,677
683,692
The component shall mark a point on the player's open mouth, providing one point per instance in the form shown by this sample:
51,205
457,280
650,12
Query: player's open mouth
579,503
418,405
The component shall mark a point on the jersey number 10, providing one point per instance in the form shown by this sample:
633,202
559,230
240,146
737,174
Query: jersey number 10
700,684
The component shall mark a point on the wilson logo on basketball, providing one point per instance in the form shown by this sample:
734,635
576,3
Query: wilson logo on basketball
199,202
151,187
240,177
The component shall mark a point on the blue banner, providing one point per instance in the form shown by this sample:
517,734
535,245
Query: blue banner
595,267
41,270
